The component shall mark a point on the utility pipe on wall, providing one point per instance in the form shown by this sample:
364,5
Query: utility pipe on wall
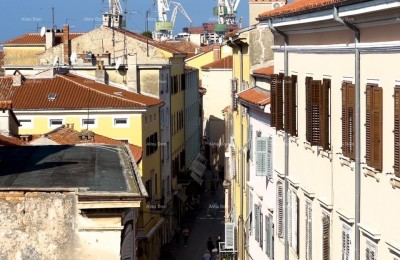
357,127
286,68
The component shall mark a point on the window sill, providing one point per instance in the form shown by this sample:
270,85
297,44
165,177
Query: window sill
344,161
281,133
294,139
325,154
395,181
369,171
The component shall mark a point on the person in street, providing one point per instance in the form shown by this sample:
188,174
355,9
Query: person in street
217,243
207,255
186,236
210,245
215,208
214,254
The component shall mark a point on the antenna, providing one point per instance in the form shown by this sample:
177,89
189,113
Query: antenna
42,31
55,62
73,58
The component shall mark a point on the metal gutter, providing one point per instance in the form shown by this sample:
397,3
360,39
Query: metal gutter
357,127
286,68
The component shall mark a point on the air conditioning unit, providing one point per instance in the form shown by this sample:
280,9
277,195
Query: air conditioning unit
277,5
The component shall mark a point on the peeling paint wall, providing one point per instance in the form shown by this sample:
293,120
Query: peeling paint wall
22,55
37,225
260,48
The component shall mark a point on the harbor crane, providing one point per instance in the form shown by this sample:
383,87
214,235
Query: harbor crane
226,12
114,16
164,27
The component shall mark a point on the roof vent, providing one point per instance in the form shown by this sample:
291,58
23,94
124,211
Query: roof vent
52,96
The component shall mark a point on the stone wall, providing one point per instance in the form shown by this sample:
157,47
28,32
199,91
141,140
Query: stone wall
261,41
37,225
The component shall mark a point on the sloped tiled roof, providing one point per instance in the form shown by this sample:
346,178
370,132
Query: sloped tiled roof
10,141
266,71
226,109
256,96
142,38
299,6
224,63
187,47
68,136
36,39
72,92
5,105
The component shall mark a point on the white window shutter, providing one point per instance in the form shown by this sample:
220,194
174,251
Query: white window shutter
229,235
261,156
294,223
308,231
250,145
290,220
268,235
280,210
346,243
257,222
269,157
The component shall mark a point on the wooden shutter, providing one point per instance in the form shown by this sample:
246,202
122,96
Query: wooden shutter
374,126
274,80
348,119
326,238
280,209
397,131
315,112
290,105
269,157
279,102
261,156
324,114
257,222
308,109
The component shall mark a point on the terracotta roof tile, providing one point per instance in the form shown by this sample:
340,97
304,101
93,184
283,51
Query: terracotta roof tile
224,63
226,109
35,38
267,71
184,46
299,6
255,96
68,136
10,141
5,105
72,92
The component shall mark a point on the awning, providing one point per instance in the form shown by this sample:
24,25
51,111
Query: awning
196,178
181,195
141,233
198,165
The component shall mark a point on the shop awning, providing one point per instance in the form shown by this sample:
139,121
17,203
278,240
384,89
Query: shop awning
151,232
181,195
199,165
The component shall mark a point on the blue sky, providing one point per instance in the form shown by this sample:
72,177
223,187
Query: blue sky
23,16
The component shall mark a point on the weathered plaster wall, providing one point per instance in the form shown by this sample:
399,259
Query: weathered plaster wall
260,48
37,225
22,55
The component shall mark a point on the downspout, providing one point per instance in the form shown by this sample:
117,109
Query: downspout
286,68
357,127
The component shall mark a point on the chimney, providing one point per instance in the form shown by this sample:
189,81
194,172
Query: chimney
50,38
17,80
133,74
217,52
66,43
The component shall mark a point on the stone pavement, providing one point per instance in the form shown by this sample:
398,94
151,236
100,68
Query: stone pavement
205,225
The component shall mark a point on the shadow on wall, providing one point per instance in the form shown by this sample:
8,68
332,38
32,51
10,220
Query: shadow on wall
214,131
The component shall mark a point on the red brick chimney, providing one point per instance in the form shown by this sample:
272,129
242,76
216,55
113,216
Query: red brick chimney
67,44
217,52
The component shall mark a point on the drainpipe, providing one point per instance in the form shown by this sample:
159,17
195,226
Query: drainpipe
357,126
286,68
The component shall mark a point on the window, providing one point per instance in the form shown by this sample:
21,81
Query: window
293,221
264,156
26,123
317,109
269,236
162,84
261,229
166,83
120,121
325,237
151,144
308,230
373,126
89,121
348,128
56,122
397,131
250,141
290,107
183,82
371,251
277,101
346,243
279,203
257,222
149,189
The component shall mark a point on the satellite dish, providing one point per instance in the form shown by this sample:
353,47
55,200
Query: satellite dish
118,63
73,58
42,31
55,62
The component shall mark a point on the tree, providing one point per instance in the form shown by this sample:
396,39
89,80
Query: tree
148,34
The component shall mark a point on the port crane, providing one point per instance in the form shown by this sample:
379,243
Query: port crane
226,12
164,27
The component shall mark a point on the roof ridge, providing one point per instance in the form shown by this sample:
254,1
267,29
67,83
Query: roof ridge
98,91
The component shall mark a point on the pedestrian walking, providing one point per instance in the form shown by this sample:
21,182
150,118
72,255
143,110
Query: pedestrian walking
186,236
207,255
217,243
210,245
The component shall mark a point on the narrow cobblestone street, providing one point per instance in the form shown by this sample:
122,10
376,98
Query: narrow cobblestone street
205,225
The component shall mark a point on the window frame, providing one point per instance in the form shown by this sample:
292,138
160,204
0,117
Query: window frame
26,125
348,120
83,125
52,125
119,125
